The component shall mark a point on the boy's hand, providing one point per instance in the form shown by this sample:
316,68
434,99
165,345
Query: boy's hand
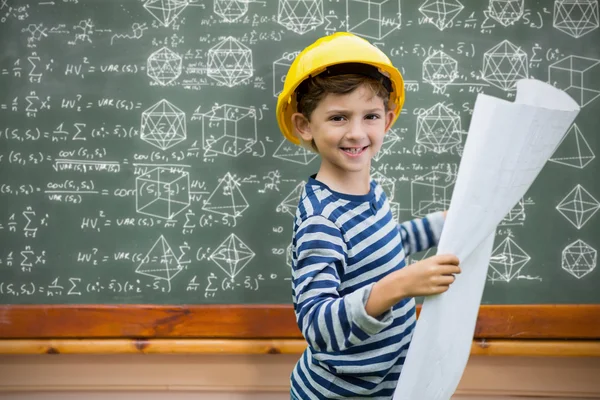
433,275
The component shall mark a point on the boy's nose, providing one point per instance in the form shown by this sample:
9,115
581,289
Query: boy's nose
355,130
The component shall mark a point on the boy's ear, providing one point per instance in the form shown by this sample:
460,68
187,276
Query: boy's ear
301,126
389,117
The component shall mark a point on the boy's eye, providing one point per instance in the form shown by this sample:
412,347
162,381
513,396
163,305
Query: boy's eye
373,116
337,118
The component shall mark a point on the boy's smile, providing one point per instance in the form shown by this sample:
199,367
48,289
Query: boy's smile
348,130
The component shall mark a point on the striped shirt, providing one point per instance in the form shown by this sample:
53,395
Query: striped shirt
341,245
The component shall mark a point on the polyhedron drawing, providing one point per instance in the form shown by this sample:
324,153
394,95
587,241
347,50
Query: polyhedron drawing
573,150
439,69
160,262
227,199
441,13
507,260
164,66
431,193
162,192
387,184
230,62
576,17
505,64
163,125
578,206
578,77
280,69
579,259
165,11
300,16
373,19
229,130
290,203
230,10
232,256
292,153
439,128
506,12
389,140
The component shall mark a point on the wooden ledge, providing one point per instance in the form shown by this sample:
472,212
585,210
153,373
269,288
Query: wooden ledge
546,348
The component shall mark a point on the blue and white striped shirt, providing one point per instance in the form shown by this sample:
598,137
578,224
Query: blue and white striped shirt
342,244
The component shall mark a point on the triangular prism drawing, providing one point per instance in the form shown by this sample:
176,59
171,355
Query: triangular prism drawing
573,150
160,262
227,198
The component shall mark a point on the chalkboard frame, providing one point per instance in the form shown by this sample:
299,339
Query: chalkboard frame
548,321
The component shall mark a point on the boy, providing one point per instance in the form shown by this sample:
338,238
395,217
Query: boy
353,293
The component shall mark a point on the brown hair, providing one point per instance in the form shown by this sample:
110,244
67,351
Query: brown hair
316,88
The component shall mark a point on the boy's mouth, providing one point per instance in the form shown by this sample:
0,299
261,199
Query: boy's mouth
353,151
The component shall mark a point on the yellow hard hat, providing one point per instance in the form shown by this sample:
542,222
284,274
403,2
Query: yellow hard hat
341,52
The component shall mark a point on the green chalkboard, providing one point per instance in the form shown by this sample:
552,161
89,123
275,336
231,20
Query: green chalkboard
134,132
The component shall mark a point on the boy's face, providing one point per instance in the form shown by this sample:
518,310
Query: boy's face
348,129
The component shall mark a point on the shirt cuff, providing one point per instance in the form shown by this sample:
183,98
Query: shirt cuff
356,303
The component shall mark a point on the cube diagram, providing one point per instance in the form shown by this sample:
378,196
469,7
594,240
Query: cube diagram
162,192
431,193
374,19
229,130
578,76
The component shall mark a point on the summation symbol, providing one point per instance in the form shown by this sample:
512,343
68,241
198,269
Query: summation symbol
575,75
506,12
163,125
165,11
439,128
230,62
505,64
507,260
300,16
441,13
227,199
439,69
162,192
578,206
230,10
576,17
164,66
573,150
160,262
579,259
232,256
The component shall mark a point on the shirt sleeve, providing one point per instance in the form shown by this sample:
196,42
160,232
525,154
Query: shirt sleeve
329,322
422,233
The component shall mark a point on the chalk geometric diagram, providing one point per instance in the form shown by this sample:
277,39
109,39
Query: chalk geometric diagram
578,206
230,10
162,192
227,199
230,62
290,203
300,16
506,12
160,262
504,64
431,192
227,129
579,259
576,76
573,150
163,125
389,140
292,153
507,260
165,11
517,213
232,256
280,69
387,184
164,66
576,17
439,128
441,13
374,19
439,69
